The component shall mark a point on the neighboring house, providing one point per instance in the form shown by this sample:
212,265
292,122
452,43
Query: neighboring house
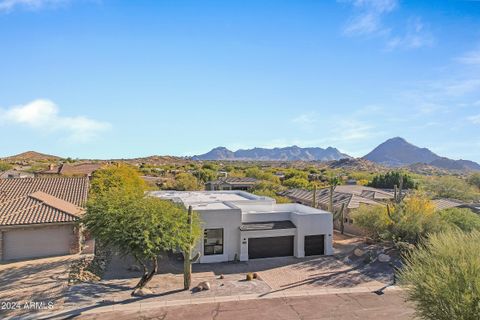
10,174
442,204
38,217
366,192
240,226
351,196
231,183
67,169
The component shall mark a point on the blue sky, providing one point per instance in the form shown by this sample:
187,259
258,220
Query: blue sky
108,79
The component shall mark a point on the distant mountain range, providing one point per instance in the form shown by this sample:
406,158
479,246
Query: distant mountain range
397,152
292,153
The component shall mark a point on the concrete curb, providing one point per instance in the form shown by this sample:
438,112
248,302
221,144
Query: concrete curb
140,306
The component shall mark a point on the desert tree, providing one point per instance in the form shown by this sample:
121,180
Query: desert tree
120,216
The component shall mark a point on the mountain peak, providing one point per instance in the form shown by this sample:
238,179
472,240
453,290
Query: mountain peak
396,140
32,155
398,152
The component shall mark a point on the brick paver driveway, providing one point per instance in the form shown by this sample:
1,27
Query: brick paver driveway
276,274
365,306
303,274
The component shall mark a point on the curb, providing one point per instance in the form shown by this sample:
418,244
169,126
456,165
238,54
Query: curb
140,306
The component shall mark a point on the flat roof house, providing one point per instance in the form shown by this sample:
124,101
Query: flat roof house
231,183
241,226
38,216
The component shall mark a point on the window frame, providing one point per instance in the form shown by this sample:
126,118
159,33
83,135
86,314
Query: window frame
213,246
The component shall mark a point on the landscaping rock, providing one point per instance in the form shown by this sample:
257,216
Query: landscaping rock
221,277
142,292
205,285
358,252
384,257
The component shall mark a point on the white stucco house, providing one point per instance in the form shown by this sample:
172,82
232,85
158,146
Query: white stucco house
240,226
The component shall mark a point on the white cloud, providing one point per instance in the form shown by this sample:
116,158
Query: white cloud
368,17
416,36
352,129
463,87
44,115
475,119
306,121
368,20
305,118
376,5
470,57
9,5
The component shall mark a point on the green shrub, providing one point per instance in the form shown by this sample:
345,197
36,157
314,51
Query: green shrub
261,175
186,182
442,276
299,183
392,179
451,187
409,221
4,166
464,219
474,180
373,219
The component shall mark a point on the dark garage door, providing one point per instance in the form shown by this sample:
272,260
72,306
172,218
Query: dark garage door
314,245
270,247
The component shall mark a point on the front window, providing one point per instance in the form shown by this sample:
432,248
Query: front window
212,241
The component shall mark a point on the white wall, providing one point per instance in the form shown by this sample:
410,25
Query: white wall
313,224
308,221
230,220
265,216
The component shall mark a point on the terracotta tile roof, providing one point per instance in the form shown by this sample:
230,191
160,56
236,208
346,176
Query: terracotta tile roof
79,169
42,200
67,169
74,190
57,203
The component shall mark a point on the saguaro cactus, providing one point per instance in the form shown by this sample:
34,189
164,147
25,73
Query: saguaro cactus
340,216
187,256
333,181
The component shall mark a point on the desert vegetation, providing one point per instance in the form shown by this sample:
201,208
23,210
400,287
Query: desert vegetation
120,216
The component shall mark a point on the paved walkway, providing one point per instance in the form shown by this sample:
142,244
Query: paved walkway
147,303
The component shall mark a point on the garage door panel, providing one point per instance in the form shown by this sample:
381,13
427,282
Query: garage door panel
37,242
270,247
315,245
